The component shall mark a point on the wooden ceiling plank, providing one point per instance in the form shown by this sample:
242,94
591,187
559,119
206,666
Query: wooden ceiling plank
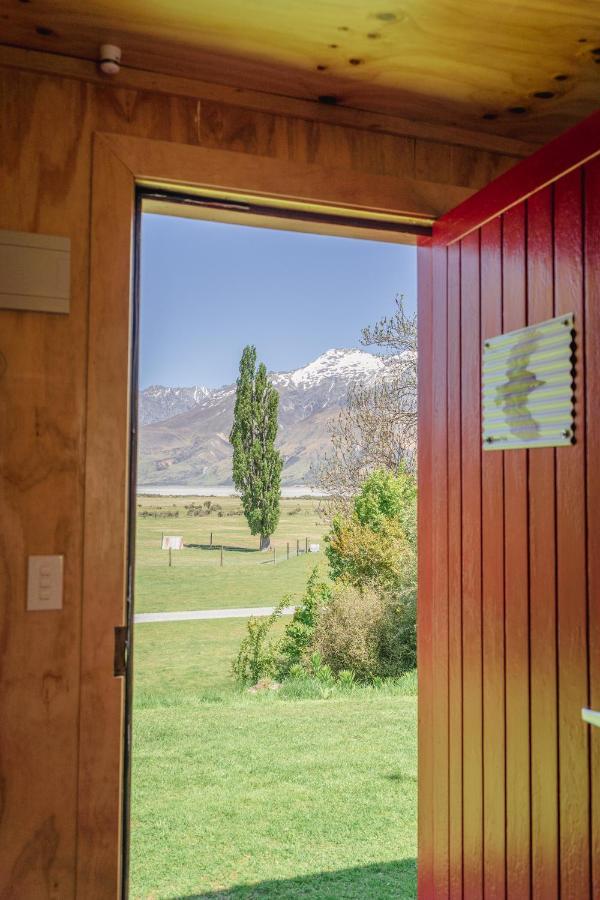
137,79
521,70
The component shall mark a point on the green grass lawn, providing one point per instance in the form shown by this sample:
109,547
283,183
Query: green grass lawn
274,795
197,580
242,796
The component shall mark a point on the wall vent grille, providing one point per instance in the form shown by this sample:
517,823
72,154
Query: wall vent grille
528,386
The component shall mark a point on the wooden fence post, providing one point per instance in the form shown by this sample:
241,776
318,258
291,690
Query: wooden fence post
288,549
211,539
297,547
273,555
306,545
221,554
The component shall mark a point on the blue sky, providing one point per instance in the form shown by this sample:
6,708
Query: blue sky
208,289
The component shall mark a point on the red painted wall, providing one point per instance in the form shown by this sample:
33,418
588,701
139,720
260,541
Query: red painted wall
509,542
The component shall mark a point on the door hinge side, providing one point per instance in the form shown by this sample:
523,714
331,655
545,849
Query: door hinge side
121,649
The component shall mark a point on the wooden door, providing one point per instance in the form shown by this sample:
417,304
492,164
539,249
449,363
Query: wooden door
509,544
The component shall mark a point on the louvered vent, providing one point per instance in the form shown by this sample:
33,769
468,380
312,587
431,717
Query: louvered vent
528,386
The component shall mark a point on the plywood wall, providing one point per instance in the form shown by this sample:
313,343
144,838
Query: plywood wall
509,610
46,126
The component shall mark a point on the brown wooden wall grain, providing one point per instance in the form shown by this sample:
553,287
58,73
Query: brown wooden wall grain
509,597
46,128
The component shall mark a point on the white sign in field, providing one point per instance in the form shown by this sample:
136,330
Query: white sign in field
314,548
172,542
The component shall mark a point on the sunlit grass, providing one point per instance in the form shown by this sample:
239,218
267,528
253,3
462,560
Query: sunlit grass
265,795
197,580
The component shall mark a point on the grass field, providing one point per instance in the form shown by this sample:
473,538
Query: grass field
296,794
197,580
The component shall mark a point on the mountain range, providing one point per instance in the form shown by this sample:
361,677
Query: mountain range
184,431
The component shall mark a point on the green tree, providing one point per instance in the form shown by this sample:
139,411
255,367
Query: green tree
377,542
388,496
256,463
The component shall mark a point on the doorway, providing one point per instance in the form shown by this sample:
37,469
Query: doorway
195,554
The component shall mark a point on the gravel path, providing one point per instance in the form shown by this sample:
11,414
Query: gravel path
211,614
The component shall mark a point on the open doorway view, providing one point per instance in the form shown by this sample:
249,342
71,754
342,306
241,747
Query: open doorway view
274,747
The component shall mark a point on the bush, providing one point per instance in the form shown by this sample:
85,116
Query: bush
257,657
368,632
377,543
398,634
387,496
260,656
359,555
296,641
347,634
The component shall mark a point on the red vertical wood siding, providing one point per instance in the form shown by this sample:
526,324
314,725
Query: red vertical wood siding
516,578
542,582
592,349
455,736
571,556
424,629
439,595
509,593
492,537
471,570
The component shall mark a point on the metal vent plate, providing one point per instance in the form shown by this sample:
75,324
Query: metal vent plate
528,386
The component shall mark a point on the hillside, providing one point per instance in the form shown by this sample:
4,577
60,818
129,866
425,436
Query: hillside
184,434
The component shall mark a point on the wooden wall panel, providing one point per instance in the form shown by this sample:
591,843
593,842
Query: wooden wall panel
470,418
542,581
439,587
592,355
516,576
424,611
455,549
46,128
47,122
492,561
530,816
571,560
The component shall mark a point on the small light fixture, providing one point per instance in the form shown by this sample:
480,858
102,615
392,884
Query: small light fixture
109,59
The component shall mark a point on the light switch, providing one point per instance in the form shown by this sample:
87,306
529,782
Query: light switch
45,582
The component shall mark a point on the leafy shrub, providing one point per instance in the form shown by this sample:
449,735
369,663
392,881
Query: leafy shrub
377,542
347,634
398,634
346,678
207,508
261,656
297,638
257,656
368,632
359,555
387,496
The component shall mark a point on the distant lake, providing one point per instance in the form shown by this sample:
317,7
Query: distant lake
218,490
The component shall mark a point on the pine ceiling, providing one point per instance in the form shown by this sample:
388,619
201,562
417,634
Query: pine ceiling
526,69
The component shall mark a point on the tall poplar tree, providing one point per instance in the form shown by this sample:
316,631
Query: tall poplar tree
256,463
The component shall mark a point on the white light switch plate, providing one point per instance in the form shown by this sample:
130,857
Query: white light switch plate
45,582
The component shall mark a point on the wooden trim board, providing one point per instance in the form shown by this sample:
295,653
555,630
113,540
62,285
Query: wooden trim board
119,165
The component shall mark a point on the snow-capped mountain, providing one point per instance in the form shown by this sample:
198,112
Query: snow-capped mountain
157,403
184,438
333,364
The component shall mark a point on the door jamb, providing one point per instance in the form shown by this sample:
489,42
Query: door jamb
120,165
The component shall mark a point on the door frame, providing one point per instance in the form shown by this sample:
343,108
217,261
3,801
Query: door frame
120,166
